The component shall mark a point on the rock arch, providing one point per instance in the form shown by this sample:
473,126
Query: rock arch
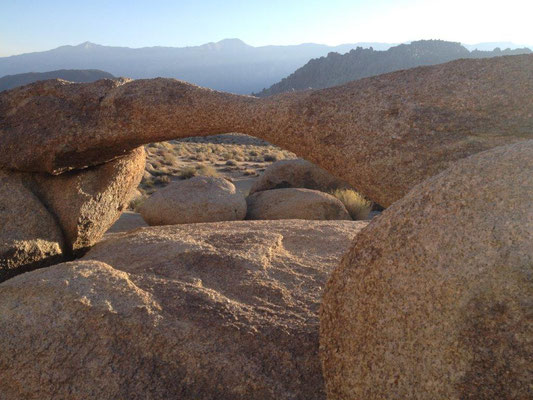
383,134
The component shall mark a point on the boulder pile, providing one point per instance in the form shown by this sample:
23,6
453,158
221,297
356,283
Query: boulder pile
46,219
432,300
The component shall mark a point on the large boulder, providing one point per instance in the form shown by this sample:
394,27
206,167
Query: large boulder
48,219
383,135
295,204
296,174
201,311
87,202
29,234
434,300
199,199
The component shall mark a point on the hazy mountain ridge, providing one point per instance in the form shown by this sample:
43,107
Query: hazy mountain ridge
228,65
336,69
74,75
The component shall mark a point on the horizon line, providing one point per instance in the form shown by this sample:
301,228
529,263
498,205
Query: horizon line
391,44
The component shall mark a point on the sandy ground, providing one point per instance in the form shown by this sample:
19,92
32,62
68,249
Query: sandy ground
237,157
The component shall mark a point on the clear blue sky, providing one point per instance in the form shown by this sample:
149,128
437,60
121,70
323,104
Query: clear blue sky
27,25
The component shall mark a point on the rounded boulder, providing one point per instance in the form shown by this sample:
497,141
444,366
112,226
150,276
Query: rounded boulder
433,301
199,199
295,204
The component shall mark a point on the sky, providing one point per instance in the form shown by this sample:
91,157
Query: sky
27,25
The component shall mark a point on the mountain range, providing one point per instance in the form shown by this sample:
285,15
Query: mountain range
74,75
229,65
336,69
232,65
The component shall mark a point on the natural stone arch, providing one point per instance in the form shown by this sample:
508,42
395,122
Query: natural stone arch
383,134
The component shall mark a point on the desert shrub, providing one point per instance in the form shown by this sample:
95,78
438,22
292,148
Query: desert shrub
270,158
249,172
358,207
162,180
169,158
226,155
206,170
187,172
231,163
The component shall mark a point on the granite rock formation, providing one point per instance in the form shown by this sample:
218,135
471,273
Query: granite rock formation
199,199
29,234
293,203
433,301
296,174
224,310
383,135
47,219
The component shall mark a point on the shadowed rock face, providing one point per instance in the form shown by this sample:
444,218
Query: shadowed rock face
382,135
29,234
434,299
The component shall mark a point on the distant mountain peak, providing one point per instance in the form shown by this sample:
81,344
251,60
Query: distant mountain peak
87,45
227,44
232,42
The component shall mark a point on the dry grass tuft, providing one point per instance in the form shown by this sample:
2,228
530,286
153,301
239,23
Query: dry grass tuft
358,207
187,172
207,170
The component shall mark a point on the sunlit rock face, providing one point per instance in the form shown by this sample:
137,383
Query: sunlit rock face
383,135
433,301
225,310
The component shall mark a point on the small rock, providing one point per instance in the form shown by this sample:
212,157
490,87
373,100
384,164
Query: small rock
128,221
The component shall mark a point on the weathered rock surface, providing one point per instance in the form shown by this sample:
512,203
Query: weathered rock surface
382,135
201,311
294,203
296,174
46,219
199,199
434,299
29,234
87,202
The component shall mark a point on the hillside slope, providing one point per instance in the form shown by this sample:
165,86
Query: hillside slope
336,69
74,75
229,65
